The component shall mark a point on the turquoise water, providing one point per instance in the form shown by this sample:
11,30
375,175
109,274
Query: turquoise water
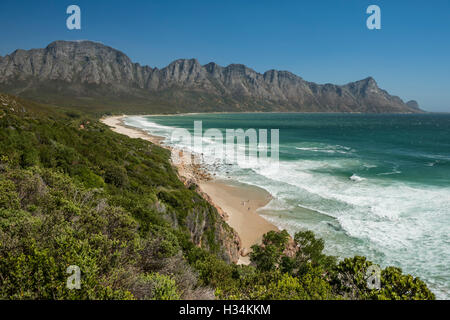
376,185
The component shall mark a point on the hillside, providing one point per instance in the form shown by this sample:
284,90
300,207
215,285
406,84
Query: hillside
95,77
74,193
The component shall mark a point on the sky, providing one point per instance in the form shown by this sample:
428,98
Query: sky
321,41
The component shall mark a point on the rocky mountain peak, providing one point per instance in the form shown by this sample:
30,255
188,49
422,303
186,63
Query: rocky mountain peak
70,68
212,67
370,82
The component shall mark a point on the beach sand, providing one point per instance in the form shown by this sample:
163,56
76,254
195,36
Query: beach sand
238,203
116,124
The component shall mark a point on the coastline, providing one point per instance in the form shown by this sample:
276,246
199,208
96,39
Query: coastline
237,203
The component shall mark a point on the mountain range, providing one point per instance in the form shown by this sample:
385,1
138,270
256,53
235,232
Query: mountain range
88,74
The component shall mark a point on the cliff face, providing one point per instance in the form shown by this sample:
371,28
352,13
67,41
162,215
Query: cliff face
91,70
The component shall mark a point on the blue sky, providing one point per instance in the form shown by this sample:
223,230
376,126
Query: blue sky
321,41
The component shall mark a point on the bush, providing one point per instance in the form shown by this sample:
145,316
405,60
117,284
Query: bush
9,197
116,175
310,252
268,256
351,279
155,286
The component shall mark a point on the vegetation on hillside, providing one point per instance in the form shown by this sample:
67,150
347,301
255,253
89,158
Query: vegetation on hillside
74,193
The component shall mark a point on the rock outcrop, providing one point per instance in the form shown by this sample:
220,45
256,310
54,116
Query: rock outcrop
413,104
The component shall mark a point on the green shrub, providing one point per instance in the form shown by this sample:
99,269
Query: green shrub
116,175
351,279
158,287
268,256
9,197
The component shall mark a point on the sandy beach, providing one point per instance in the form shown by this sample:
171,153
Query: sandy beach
238,203
116,125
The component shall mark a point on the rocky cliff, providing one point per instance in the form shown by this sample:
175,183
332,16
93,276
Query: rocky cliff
89,73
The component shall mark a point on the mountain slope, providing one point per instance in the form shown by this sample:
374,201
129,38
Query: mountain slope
91,74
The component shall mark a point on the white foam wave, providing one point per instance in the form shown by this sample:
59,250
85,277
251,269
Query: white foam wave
326,148
356,178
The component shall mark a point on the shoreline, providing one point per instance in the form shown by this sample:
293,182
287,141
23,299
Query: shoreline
237,203
240,203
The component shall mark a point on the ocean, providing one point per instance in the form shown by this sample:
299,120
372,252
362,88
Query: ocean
372,185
